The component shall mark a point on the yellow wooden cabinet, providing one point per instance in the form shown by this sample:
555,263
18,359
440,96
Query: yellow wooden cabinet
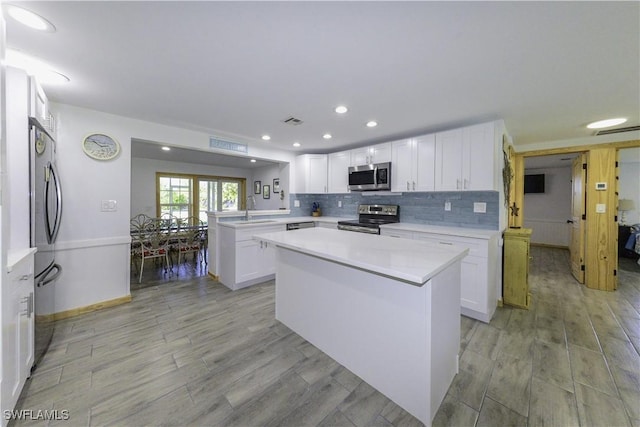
516,267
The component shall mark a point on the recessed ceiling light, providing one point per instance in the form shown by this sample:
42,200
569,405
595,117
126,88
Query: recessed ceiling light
327,136
372,124
34,67
341,109
30,19
166,148
253,160
266,137
296,144
606,123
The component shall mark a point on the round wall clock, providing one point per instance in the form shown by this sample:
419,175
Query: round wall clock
100,146
41,144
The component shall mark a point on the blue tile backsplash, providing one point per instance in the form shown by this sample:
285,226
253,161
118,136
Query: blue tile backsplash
415,207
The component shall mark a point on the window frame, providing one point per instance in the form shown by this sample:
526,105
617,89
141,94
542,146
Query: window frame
194,202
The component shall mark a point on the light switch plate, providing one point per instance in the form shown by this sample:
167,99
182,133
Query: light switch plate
479,207
601,208
108,206
339,203
296,203
447,206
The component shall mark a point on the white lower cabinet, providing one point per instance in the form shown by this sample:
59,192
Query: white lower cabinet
243,260
480,278
18,321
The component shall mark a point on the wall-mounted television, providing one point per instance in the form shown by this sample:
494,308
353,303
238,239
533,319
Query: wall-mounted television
534,183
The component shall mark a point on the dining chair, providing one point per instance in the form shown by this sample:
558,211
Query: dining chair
189,237
153,242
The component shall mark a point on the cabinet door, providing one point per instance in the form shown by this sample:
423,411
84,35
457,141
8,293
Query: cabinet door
401,165
423,171
478,157
317,174
248,260
448,163
339,172
473,289
360,156
268,258
380,153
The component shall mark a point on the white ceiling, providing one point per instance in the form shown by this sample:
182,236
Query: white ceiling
236,69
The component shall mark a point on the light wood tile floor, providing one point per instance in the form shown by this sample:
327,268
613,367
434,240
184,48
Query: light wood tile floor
187,351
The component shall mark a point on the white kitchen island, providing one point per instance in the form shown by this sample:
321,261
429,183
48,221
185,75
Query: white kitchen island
387,309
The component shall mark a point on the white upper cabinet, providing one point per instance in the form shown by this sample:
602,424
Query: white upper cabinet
339,172
465,159
380,153
311,173
412,164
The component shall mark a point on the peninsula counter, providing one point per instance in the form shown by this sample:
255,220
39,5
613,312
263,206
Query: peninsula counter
387,309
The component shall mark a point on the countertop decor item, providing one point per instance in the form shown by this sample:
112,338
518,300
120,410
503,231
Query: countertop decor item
99,146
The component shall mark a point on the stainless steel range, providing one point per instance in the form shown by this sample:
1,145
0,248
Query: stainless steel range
371,217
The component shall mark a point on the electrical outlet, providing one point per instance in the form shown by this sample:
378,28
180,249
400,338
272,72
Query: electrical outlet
296,203
339,203
447,206
479,207
601,208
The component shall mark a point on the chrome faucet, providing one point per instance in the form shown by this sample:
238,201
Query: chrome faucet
251,199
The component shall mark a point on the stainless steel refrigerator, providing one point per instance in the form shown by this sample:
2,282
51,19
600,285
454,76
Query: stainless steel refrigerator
46,214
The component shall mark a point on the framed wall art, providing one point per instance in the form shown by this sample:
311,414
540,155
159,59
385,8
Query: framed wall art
266,192
276,185
257,187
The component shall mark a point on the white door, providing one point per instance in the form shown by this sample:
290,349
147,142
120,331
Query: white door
401,165
317,174
339,172
478,157
448,164
381,153
577,242
423,171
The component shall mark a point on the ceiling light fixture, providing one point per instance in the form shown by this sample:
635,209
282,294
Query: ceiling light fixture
166,148
327,136
372,124
253,160
43,73
30,19
296,144
606,123
266,137
341,109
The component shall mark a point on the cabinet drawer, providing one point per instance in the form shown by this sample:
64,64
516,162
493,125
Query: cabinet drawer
247,234
476,247
397,233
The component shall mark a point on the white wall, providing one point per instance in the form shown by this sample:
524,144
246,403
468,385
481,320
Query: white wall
630,187
93,246
266,175
547,213
143,180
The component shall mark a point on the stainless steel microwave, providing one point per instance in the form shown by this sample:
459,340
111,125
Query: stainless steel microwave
375,176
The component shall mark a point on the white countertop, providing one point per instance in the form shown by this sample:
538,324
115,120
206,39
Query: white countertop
476,233
260,222
412,261
15,256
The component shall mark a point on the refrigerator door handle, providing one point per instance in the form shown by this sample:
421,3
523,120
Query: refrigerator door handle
52,229
45,279
58,217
